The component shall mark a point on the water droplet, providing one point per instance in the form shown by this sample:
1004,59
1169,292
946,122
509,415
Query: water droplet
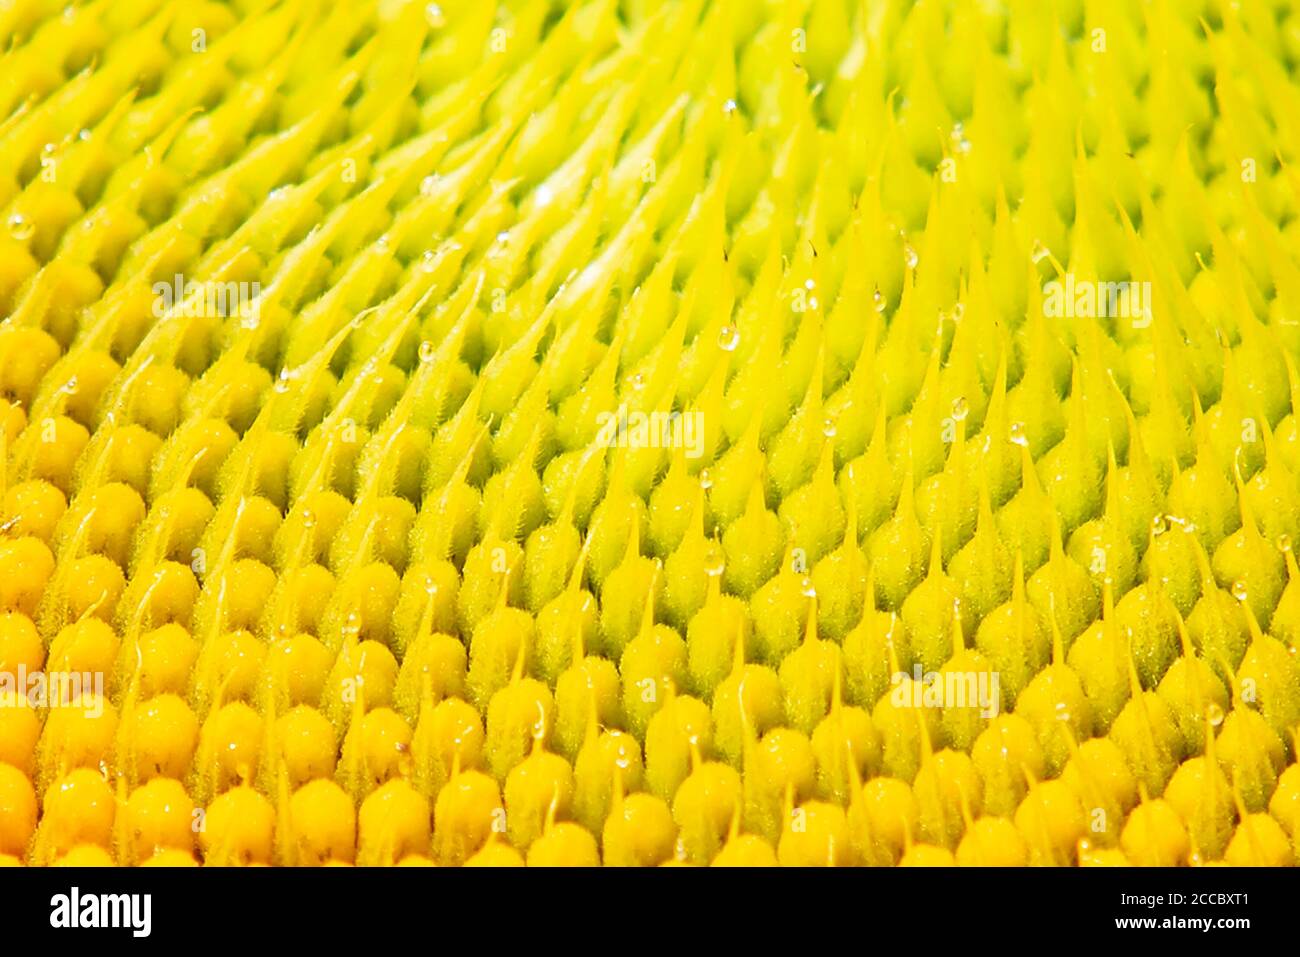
433,13
706,480
958,311
638,381
84,134
879,299
1062,712
909,256
382,243
958,138
807,588
728,338
1159,525
715,562
428,261
308,519
729,107
429,184
1215,714
1284,542
960,408
1239,590
828,427
20,227
1016,435
1040,252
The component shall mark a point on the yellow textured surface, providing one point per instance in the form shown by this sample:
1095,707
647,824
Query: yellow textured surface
633,432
